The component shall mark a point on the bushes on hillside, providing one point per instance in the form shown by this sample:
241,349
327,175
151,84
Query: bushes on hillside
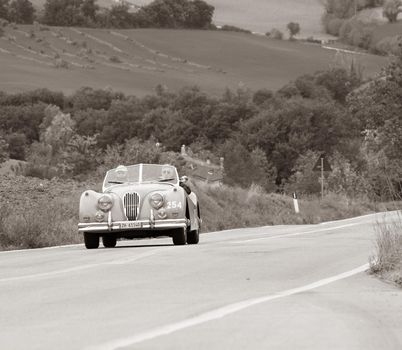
357,33
389,45
157,14
275,34
391,9
230,28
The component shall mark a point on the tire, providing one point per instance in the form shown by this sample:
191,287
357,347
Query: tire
109,241
179,236
193,237
91,240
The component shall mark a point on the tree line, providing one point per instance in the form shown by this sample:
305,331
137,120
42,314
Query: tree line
267,138
158,14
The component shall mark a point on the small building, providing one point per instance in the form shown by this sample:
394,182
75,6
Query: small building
209,174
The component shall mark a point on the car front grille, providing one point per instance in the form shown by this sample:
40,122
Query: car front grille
131,205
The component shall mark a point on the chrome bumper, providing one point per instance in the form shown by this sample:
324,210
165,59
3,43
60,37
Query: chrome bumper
119,226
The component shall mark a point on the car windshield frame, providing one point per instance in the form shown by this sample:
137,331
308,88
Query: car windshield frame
141,174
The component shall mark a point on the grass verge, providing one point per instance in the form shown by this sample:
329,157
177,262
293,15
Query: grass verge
387,261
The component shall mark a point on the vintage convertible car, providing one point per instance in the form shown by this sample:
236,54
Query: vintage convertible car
138,201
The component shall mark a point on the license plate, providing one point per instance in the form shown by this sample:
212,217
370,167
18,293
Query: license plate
131,225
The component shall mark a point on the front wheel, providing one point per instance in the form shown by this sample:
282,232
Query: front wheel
193,237
109,241
179,236
91,240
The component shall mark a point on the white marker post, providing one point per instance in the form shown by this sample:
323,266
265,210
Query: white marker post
295,203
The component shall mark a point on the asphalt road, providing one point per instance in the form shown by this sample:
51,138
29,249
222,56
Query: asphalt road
282,287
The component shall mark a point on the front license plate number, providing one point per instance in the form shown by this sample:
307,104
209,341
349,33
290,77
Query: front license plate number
131,225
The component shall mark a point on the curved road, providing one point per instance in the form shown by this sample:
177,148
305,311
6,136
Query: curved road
281,287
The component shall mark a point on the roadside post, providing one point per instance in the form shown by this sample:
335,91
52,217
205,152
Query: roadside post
322,165
295,203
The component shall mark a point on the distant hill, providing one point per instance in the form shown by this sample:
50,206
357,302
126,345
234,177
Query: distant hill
135,61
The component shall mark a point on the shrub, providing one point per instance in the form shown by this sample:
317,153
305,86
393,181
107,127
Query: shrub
4,155
115,59
388,45
60,63
391,10
230,28
357,33
276,34
333,25
387,261
17,143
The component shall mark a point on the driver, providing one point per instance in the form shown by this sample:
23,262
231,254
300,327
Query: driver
167,173
122,173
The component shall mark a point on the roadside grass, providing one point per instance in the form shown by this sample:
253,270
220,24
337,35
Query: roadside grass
228,207
387,261
42,225
39,213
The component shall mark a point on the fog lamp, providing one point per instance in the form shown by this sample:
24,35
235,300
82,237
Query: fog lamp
162,214
100,216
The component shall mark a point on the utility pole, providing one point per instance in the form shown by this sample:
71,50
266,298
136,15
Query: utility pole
322,178
321,166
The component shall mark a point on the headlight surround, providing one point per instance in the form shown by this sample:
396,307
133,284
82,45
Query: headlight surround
156,200
105,202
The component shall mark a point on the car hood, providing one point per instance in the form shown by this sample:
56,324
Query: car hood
141,189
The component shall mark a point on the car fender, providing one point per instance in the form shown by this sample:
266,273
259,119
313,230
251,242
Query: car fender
192,211
89,206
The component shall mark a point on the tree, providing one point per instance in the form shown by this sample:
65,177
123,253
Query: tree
378,106
17,143
89,9
294,29
341,8
4,9
199,14
391,10
21,11
63,12
3,149
119,16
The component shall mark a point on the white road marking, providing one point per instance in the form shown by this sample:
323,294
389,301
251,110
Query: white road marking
296,233
39,249
220,313
79,268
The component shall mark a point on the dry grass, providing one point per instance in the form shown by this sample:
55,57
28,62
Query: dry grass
42,225
387,261
227,207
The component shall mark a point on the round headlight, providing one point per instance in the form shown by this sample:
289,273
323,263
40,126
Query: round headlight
105,202
156,200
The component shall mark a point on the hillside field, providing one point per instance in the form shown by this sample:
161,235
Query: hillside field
135,61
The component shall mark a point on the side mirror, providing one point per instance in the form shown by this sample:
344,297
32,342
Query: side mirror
183,179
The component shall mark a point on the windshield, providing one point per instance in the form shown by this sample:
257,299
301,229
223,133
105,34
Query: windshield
141,173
